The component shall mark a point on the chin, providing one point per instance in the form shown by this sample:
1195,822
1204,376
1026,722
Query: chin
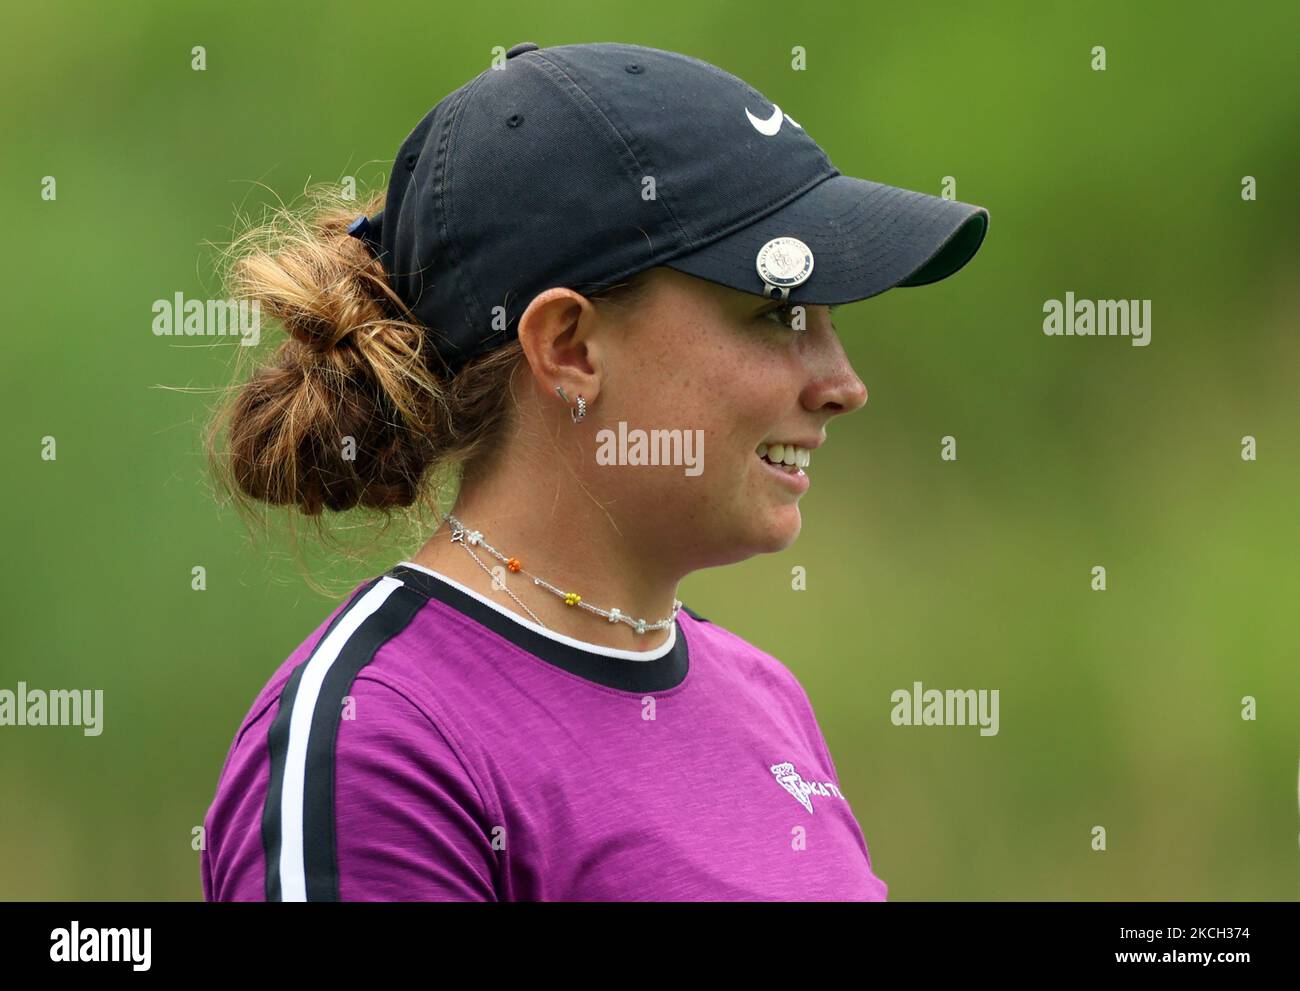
782,528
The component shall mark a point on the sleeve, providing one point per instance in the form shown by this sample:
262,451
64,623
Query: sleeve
232,857
410,822
815,731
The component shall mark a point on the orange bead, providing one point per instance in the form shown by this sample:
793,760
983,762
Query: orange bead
513,564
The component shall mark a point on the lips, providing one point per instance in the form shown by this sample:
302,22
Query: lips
789,476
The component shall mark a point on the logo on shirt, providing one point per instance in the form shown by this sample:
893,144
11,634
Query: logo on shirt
790,780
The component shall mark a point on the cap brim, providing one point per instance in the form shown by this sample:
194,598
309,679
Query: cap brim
865,237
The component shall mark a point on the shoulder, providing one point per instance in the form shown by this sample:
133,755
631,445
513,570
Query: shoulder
344,767
760,671
380,627
756,666
742,655
379,642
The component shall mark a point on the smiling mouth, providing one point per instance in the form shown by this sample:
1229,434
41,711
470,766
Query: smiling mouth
790,457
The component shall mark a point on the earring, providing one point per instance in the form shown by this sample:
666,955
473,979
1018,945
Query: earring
580,412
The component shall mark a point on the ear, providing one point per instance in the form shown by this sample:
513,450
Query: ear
557,334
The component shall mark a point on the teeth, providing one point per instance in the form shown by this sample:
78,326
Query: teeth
785,454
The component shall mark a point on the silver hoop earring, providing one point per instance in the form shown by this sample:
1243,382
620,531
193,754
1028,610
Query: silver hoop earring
581,411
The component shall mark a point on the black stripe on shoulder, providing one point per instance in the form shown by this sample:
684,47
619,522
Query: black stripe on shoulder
320,854
277,744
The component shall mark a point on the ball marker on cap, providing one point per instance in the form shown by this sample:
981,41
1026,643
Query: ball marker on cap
783,263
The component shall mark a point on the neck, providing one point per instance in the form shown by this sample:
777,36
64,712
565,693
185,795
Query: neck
572,550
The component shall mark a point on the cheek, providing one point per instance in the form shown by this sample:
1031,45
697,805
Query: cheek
715,380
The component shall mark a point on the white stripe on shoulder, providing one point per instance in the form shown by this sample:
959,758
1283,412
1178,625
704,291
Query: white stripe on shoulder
293,871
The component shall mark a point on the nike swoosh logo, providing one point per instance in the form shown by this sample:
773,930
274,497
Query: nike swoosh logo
772,124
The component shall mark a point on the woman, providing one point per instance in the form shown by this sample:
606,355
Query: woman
598,296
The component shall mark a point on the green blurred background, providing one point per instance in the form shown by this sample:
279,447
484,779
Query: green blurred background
1119,708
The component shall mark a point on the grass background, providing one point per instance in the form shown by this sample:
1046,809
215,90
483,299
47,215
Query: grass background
1119,709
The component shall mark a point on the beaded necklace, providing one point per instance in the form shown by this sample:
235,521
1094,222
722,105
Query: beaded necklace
473,538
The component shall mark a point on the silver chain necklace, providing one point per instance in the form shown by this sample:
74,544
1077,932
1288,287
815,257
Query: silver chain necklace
467,538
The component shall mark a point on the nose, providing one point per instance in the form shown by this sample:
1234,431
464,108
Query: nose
833,385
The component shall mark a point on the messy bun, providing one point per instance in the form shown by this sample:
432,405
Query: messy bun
346,412
356,407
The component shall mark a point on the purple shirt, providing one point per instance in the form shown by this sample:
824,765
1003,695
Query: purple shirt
425,744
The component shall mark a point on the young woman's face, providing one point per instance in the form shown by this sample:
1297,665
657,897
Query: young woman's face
696,356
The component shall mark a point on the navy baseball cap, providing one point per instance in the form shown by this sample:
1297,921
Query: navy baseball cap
582,165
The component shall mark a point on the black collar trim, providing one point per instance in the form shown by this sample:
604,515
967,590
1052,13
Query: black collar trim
656,675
